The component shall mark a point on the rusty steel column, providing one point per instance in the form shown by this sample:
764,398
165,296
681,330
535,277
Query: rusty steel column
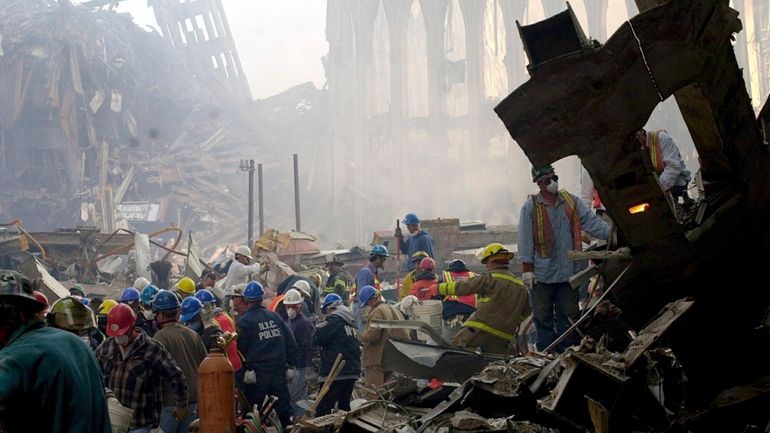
473,19
513,11
434,15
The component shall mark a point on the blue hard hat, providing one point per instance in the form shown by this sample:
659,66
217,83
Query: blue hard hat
379,250
191,307
85,301
457,265
253,291
148,294
411,219
165,300
365,294
205,296
332,299
129,294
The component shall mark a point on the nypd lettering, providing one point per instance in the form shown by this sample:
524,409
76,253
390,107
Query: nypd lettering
268,330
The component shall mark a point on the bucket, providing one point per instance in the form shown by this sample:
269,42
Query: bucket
429,312
120,416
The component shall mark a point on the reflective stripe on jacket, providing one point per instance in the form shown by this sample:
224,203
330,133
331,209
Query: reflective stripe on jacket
542,224
502,302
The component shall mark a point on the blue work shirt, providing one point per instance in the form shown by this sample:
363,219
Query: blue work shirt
557,268
366,277
265,340
419,242
50,382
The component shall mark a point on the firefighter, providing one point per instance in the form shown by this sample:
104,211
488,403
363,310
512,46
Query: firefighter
406,283
424,286
456,309
502,304
374,339
339,280
270,351
69,314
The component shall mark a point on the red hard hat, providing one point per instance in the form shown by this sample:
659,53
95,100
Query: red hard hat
40,296
427,264
120,320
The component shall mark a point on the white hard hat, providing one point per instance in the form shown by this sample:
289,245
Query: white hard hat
245,251
292,297
303,286
140,283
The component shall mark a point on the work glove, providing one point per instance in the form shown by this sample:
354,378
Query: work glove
397,233
529,280
181,413
250,377
290,373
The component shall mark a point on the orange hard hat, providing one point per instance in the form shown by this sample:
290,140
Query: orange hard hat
120,320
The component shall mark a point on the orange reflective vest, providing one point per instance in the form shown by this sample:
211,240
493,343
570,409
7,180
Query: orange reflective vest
653,145
457,277
424,290
542,224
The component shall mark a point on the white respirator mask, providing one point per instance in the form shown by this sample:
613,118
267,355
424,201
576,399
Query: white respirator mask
553,187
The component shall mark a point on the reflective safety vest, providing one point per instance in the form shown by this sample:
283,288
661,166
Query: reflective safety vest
353,288
227,324
542,224
481,299
460,276
653,146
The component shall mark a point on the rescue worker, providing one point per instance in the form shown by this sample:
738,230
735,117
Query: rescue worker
408,280
418,240
192,316
101,316
424,287
502,304
374,339
69,314
77,290
224,322
186,347
146,297
240,270
207,281
667,162
49,380
550,225
337,333
140,283
136,368
268,348
339,280
368,276
43,299
456,309
185,287
302,329
131,297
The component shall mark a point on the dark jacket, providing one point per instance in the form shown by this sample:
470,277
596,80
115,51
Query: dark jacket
337,334
265,340
419,242
50,382
303,329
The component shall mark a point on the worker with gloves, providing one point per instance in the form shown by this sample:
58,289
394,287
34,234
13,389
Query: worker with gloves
132,297
456,309
418,240
337,334
137,368
69,314
502,304
268,347
49,380
303,329
550,225
187,349
374,339
240,271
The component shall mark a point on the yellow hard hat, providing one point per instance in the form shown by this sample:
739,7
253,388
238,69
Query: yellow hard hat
495,250
187,285
107,305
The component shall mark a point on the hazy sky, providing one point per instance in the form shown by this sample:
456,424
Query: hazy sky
280,42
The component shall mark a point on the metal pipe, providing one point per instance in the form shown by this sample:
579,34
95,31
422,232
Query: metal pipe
251,203
296,193
261,202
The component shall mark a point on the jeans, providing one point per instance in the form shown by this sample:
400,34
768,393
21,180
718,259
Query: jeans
298,390
271,383
169,423
549,301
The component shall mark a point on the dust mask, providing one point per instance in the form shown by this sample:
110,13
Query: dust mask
553,187
122,340
292,313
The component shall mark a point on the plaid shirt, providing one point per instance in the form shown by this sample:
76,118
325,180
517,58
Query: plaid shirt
137,380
